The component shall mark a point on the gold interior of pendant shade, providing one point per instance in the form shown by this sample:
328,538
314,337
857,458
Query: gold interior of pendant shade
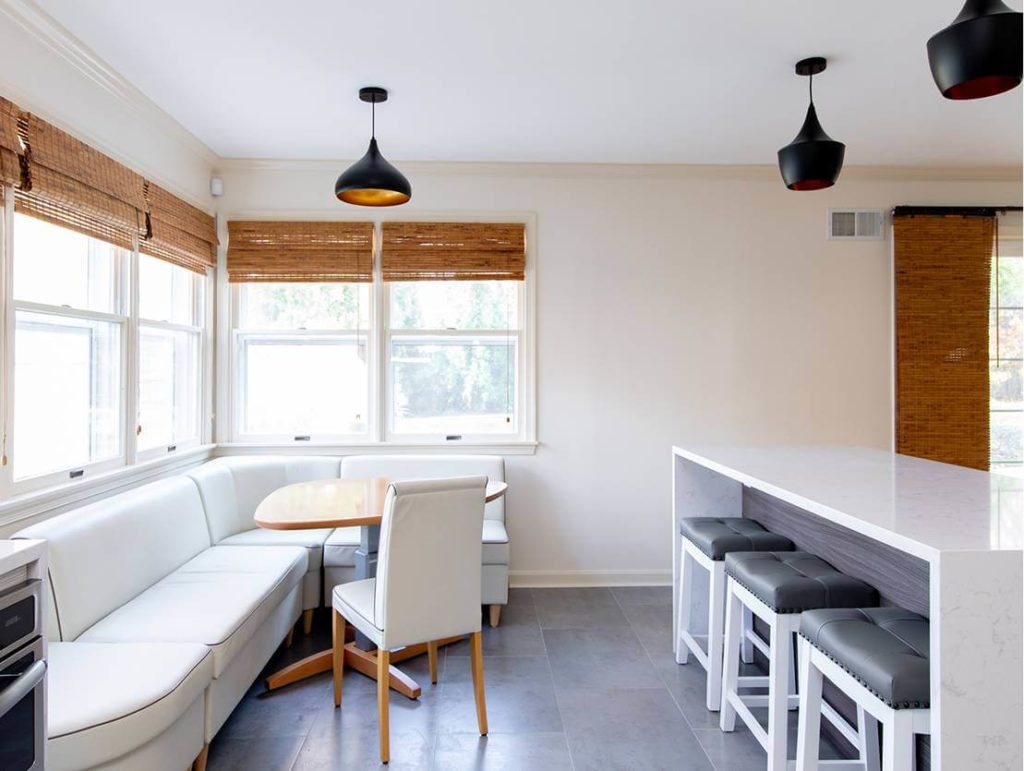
300,251
453,251
372,196
942,286
62,180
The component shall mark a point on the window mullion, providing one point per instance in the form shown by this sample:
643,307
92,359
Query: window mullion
130,402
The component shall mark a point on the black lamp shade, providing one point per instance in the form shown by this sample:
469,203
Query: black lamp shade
979,54
372,181
813,159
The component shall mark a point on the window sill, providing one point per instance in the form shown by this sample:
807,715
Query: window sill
328,448
25,506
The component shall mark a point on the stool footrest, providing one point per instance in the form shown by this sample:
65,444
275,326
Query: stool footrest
699,653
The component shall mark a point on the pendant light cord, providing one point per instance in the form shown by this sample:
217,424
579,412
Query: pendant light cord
810,88
373,119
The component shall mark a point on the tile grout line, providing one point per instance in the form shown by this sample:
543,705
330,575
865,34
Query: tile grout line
671,695
554,690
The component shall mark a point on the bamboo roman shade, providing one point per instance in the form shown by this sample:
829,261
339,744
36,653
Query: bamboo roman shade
62,180
178,232
461,251
942,292
300,251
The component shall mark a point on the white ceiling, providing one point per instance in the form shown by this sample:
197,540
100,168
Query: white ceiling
640,81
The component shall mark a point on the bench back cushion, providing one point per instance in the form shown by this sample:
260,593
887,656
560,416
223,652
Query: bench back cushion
404,468
105,554
233,487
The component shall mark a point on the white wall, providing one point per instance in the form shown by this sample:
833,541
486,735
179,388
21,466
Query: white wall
674,306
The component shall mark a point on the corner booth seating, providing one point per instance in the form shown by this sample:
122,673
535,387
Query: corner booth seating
166,601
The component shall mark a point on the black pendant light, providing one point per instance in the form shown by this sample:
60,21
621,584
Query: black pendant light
372,181
979,54
813,159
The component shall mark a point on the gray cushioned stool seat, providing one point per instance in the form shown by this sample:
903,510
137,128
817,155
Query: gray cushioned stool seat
718,536
795,581
885,649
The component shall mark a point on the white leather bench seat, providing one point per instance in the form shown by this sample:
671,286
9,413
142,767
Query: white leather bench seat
495,551
312,541
340,547
218,598
106,700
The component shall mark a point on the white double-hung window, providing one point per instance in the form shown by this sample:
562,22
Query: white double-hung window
170,343
423,338
67,406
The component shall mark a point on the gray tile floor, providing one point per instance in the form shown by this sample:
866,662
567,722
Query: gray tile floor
575,678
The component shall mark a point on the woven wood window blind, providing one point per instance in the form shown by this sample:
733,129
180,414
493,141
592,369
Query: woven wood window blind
300,251
62,180
459,251
10,144
942,288
178,232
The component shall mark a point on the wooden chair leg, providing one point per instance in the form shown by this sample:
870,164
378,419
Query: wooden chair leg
338,647
307,621
199,764
383,686
290,638
495,614
476,655
432,659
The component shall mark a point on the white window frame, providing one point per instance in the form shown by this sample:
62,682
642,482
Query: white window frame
427,335
196,329
379,366
239,337
129,322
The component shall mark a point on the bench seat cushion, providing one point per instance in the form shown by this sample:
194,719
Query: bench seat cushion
795,581
885,649
219,598
106,699
718,536
495,547
311,540
340,547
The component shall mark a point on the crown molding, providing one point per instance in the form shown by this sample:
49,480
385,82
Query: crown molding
622,171
54,36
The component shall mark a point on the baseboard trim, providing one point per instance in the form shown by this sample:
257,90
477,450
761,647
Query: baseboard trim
542,579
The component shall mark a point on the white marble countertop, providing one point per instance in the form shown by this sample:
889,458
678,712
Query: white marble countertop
919,506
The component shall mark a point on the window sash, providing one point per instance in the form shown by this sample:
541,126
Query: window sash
130,325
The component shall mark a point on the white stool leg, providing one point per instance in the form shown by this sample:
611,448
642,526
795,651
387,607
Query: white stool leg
867,735
898,742
780,663
809,724
683,614
747,651
716,629
731,662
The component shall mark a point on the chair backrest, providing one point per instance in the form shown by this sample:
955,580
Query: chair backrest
105,554
405,468
428,564
233,487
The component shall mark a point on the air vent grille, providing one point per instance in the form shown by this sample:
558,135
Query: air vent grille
856,224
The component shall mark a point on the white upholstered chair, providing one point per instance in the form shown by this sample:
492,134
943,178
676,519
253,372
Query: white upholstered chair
427,586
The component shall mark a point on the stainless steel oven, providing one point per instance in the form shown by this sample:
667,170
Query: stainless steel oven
22,679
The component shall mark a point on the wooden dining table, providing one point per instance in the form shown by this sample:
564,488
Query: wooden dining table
332,503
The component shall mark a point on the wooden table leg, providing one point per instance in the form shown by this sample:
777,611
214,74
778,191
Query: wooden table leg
358,659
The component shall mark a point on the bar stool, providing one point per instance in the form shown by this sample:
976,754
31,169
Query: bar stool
705,542
778,587
879,658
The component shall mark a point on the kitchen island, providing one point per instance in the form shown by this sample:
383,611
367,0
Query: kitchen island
941,540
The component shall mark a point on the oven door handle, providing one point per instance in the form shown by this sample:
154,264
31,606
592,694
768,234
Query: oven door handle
21,687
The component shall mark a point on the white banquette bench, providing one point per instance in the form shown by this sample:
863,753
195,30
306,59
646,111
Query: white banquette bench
166,602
